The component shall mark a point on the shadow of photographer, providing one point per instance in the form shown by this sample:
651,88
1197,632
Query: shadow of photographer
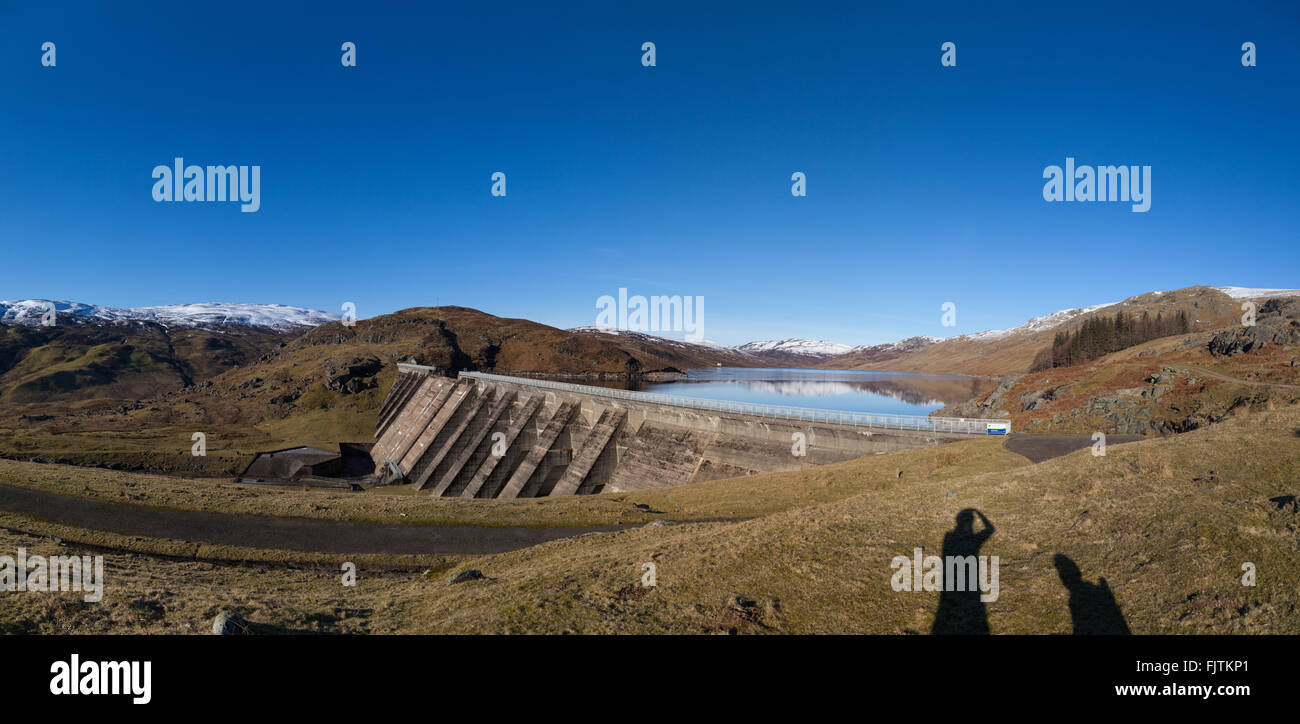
1092,606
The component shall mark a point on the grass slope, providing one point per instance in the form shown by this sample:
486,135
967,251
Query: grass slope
1167,522
746,497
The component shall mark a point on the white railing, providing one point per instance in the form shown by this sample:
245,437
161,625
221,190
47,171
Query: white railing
412,366
979,426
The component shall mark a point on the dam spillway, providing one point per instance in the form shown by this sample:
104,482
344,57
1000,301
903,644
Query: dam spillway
493,436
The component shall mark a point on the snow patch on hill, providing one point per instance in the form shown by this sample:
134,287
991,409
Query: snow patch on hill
1250,293
911,344
804,347
202,315
1037,324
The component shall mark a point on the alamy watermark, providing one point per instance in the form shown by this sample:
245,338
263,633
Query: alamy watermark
1099,444
949,573
1103,183
48,314
41,574
949,316
1249,312
96,678
213,183
1248,574
949,57
656,314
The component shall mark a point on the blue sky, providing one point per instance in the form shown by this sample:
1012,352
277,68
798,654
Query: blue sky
924,182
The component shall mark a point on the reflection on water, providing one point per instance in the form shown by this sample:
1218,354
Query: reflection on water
905,393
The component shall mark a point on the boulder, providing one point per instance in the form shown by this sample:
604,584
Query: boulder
229,623
472,574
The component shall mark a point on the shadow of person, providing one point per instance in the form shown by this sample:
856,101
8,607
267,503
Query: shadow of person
1092,607
962,612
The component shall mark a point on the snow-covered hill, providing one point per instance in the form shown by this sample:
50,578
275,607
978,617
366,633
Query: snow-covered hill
911,344
763,353
801,347
203,315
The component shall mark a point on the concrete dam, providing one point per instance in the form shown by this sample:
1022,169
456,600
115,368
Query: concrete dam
492,436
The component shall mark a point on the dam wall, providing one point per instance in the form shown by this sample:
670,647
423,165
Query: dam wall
493,436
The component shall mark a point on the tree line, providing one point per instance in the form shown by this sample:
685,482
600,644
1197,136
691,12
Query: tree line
1100,335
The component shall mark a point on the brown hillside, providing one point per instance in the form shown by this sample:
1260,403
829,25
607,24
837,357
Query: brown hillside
1172,384
1206,308
130,361
321,388
461,338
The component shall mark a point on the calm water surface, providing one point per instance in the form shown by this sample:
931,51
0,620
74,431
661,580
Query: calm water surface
905,393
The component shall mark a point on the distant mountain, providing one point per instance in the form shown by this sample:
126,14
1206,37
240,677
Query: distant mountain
681,354
888,351
254,385
753,354
204,315
651,338
107,353
106,359
794,352
113,355
810,347
991,352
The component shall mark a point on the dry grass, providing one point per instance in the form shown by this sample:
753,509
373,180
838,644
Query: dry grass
1167,522
150,595
1168,534
736,498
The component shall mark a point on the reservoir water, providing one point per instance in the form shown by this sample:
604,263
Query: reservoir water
900,393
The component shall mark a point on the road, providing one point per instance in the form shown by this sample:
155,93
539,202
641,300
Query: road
1225,378
1040,447
260,531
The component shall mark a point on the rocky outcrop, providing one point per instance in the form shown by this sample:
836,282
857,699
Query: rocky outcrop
357,375
1035,399
1168,402
995,404
1277,322
1127,411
